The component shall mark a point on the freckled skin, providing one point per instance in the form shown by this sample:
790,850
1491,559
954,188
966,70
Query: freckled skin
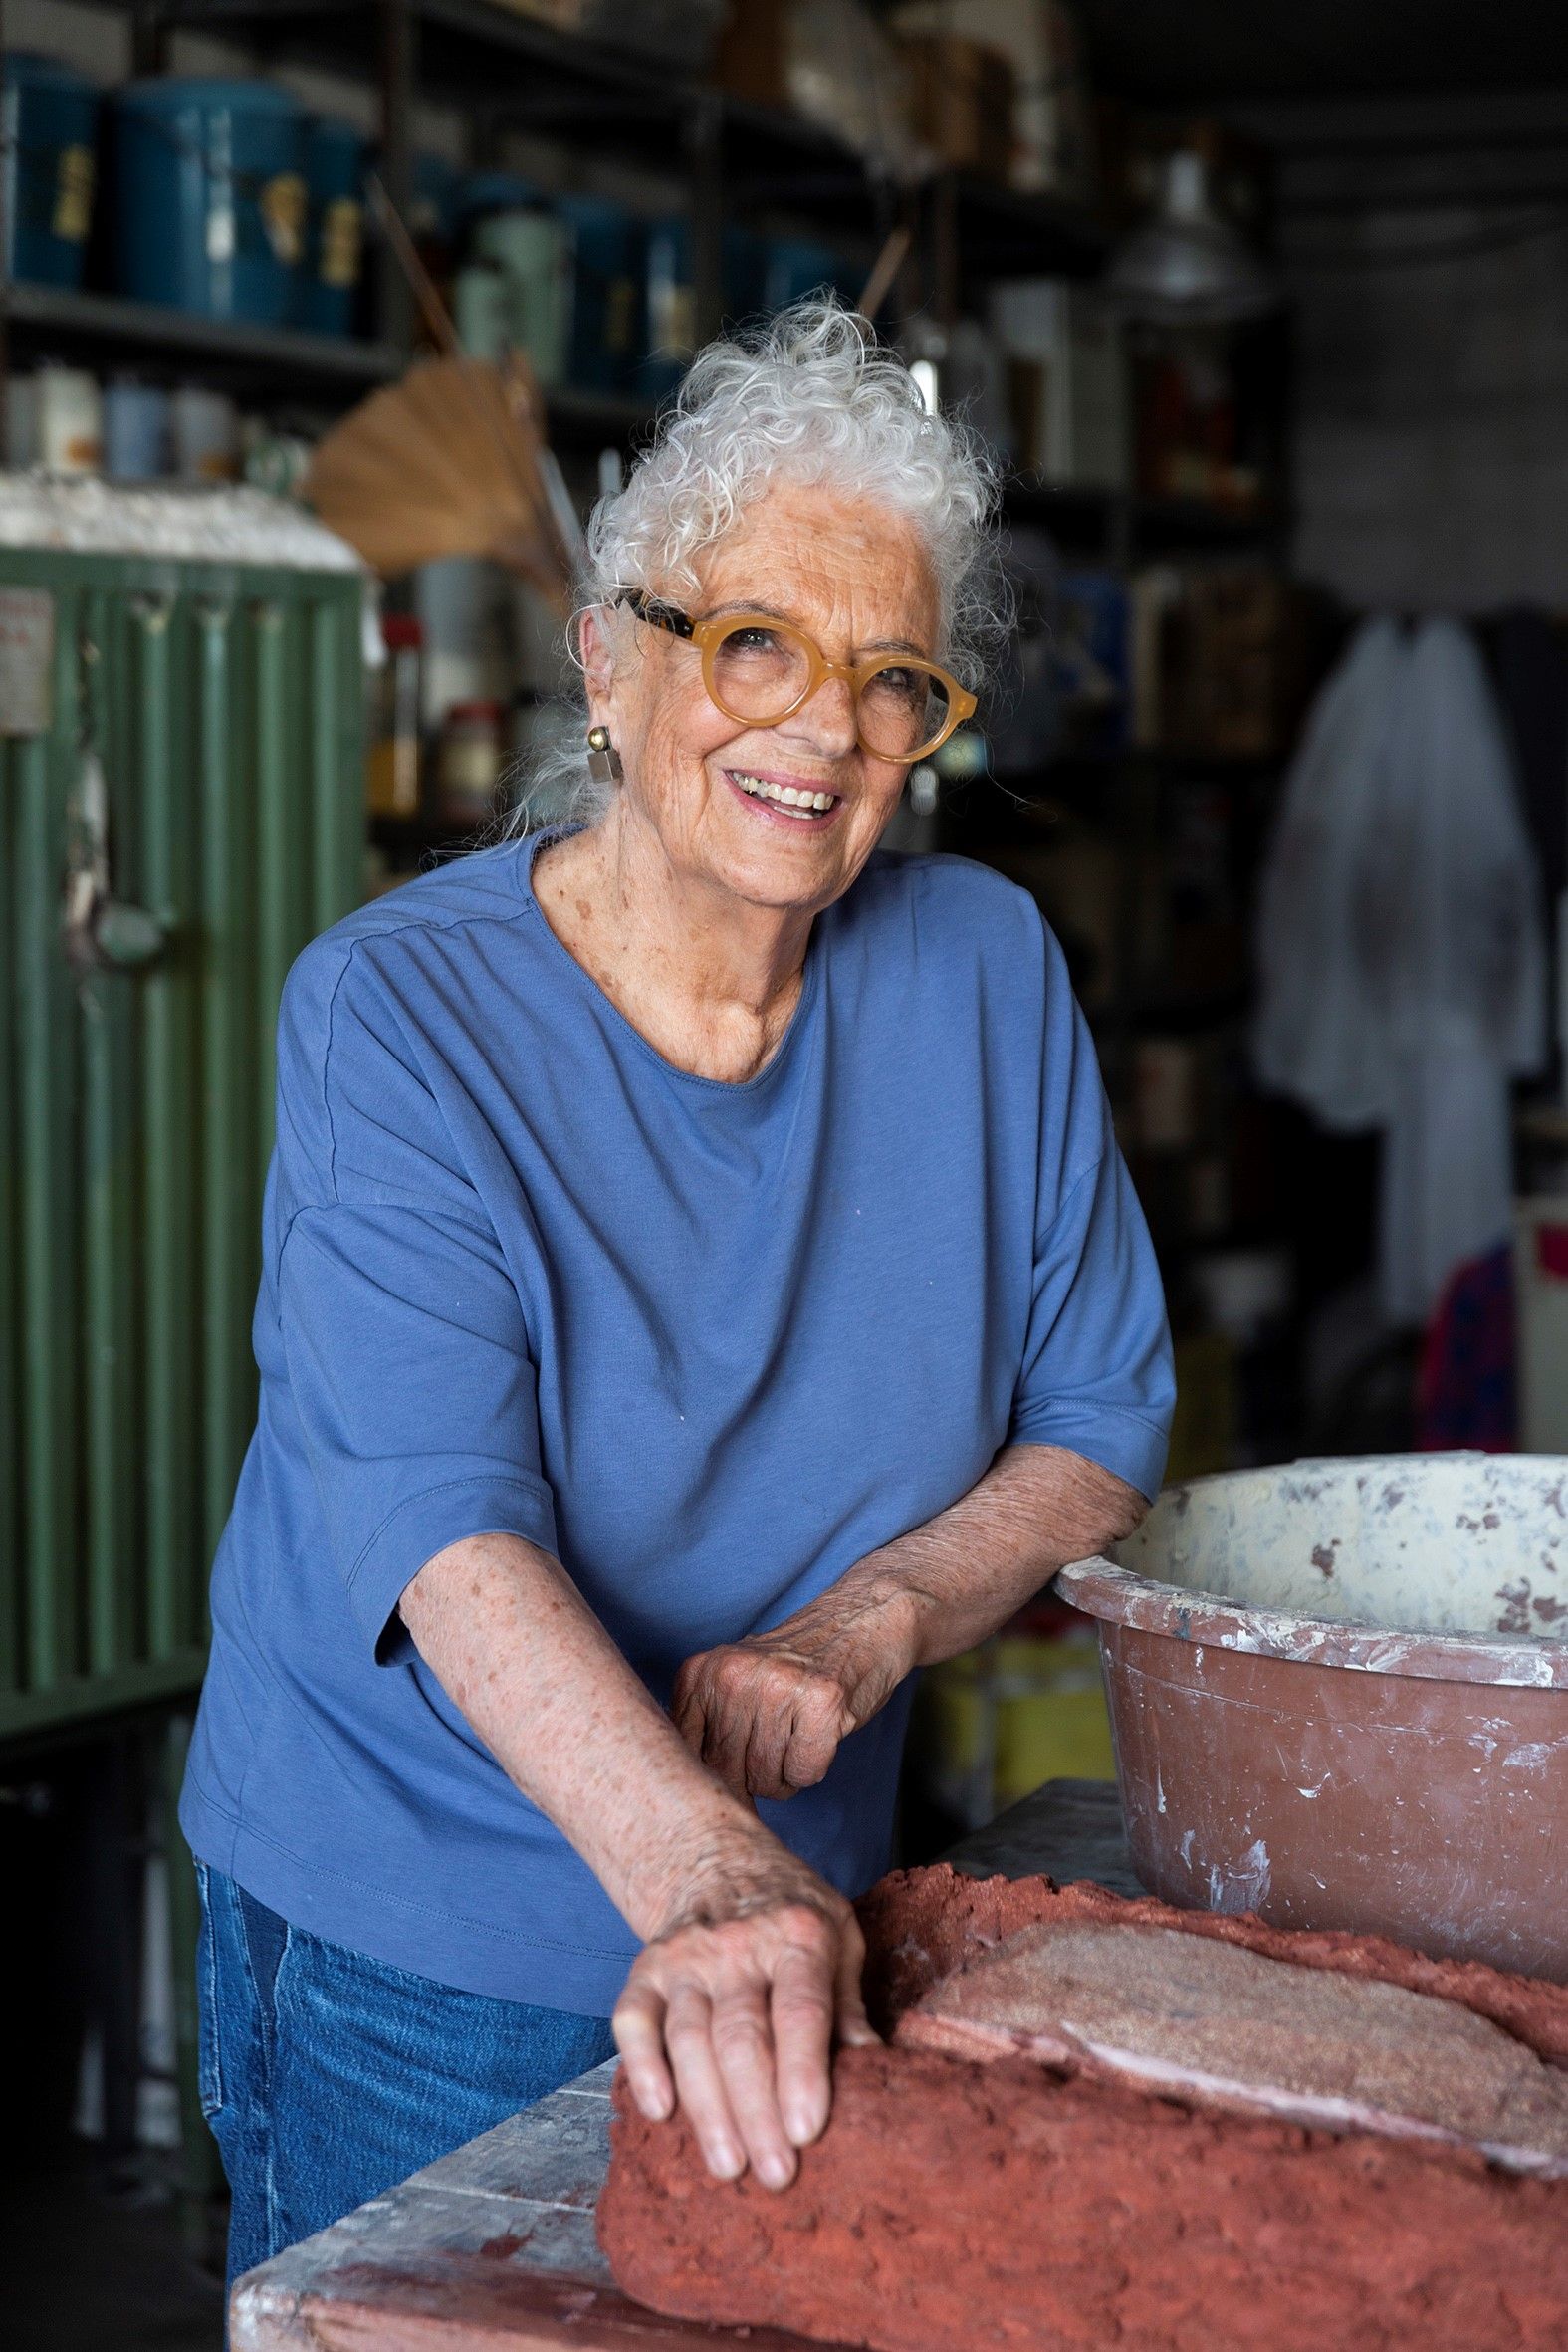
693,912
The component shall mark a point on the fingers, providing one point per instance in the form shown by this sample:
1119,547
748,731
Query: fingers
765,1724
711,1729
725,1736
743,2045
768,1753
735,2020
688,2034
853,2026
814,1732
638,2027
803,2023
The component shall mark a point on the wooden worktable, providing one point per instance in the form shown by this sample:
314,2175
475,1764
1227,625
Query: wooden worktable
493,2248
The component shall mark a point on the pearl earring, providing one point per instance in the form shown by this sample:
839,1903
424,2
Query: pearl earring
604,759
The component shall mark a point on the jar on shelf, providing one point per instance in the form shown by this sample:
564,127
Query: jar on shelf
468,764
393,771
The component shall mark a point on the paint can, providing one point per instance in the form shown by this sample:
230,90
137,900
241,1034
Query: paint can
136,431
605,292
70,421
210,196
48,137
334,226
21,423
531,251
671,296
205,431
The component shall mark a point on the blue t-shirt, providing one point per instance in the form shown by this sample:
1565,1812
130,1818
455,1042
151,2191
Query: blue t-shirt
708,1344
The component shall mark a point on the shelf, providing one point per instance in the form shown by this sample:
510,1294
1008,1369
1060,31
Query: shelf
1009,232
53,319
771,157
595,420
553,84
464,49
1141,526
1096,764
102,326
1198,521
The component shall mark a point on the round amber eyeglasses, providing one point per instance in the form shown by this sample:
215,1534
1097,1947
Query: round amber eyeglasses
760,671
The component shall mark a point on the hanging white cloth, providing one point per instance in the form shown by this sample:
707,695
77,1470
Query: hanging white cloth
1311,1038
1401,947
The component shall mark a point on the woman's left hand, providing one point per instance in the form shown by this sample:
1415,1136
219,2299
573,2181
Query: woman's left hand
768,1714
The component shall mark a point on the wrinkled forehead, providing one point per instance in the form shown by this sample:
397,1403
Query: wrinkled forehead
853,571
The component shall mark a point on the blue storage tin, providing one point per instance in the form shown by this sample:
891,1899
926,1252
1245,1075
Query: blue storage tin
210,196
671,308
607,333
48,141
330,281
137,435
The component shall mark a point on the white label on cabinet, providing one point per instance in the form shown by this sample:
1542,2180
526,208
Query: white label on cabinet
27,648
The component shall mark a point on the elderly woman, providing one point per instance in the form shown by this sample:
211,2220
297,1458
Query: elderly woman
701,1288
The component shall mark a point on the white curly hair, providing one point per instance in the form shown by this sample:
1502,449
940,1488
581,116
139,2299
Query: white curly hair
807,395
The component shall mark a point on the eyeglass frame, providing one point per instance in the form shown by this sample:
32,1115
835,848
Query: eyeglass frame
709,636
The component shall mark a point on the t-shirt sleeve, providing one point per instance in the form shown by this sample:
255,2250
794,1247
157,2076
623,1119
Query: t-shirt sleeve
402,1324
1096,1375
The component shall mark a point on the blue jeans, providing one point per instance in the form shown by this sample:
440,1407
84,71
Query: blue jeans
326,2077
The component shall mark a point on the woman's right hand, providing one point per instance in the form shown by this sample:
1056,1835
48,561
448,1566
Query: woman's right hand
732,2009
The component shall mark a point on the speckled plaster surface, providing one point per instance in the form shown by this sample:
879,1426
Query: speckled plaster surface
1467,1545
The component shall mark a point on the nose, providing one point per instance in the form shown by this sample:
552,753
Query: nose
829,721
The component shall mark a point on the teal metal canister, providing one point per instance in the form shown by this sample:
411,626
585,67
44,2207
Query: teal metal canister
529,250
671,308
210,196
330,283
608,293
48,161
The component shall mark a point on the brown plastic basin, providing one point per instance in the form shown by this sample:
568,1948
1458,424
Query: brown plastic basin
1339,1697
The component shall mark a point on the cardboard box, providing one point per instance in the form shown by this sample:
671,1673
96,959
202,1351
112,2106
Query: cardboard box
962,96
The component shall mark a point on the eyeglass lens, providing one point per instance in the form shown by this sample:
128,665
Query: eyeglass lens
759,674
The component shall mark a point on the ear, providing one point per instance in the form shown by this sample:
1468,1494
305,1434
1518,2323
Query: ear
594,651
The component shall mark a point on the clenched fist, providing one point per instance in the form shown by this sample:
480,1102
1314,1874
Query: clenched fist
766,1721
768,1714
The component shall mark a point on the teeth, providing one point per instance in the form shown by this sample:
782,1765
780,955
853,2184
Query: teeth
784,796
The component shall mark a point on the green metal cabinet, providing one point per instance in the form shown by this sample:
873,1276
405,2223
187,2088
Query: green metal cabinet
221,706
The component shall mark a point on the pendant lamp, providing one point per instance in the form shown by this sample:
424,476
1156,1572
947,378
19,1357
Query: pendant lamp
1186,266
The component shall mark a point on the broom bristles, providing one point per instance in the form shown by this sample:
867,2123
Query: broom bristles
444,463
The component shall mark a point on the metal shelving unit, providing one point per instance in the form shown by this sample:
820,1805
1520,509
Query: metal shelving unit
1125,526
60,321
732,159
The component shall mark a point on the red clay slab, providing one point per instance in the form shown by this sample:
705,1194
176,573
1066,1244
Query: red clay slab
1006,2206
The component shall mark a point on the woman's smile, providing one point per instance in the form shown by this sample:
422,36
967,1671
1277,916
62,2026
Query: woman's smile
782,798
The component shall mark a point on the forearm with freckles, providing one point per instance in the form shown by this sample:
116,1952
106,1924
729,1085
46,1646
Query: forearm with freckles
952,1582
520,1653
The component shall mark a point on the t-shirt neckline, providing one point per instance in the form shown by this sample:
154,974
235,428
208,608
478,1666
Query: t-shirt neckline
528,849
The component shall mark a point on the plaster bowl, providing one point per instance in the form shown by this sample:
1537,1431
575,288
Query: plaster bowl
1339,1698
